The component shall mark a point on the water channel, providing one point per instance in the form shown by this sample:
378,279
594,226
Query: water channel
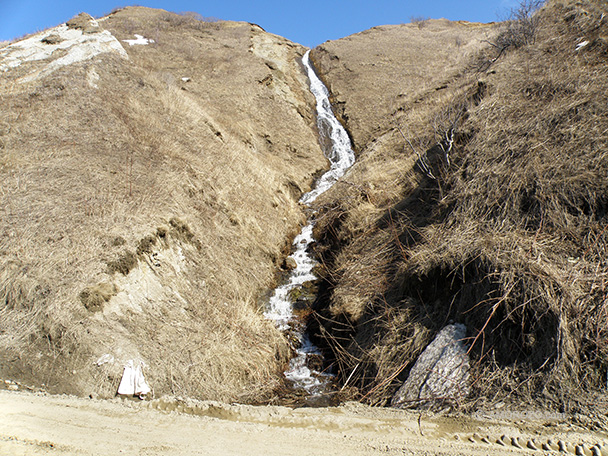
280,308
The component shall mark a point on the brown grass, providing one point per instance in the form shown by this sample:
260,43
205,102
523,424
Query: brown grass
176,197
508,238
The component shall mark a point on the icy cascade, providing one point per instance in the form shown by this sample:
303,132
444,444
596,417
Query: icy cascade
341,157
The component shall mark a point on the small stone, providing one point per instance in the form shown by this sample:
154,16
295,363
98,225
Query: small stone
562,446
531,445
515,443
13,387
289,264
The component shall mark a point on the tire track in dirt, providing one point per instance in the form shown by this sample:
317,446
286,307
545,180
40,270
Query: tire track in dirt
59,425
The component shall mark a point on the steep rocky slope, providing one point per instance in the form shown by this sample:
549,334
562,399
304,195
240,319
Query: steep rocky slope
151,165
479,198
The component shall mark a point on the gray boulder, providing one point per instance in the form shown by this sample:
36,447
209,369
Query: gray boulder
441,372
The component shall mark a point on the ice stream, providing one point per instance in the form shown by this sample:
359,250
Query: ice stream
280,308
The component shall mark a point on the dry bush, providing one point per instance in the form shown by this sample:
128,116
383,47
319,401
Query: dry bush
199,17
419,21
521,27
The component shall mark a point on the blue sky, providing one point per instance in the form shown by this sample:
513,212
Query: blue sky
309,23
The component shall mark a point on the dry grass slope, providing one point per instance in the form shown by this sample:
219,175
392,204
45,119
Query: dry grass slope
509,237
143,215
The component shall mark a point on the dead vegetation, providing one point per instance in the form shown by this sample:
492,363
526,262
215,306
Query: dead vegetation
508,236
143,215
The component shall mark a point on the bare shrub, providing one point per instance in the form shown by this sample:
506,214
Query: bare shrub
199,17
419,21
521,28
93,298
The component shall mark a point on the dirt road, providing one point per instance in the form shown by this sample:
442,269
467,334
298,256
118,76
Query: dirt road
42,424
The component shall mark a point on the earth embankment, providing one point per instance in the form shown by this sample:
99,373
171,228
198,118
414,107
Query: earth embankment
151,165
478,198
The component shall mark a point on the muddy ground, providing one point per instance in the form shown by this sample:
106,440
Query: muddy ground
36,423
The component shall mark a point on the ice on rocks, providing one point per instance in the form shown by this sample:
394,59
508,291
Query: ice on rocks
77,47
341,154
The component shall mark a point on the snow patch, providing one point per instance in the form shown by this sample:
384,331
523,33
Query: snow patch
581,45
139,40
92,78
72,44
104,359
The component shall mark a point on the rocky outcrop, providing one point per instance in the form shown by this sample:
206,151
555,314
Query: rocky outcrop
441,373
79,40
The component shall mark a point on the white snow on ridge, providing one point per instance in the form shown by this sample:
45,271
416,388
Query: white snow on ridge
79,47
139,40
579,46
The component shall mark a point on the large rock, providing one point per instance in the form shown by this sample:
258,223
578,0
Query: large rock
441,373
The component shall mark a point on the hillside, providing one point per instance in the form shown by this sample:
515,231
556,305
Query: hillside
479,197
151,165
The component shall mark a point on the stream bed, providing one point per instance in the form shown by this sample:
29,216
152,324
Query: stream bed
303,371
